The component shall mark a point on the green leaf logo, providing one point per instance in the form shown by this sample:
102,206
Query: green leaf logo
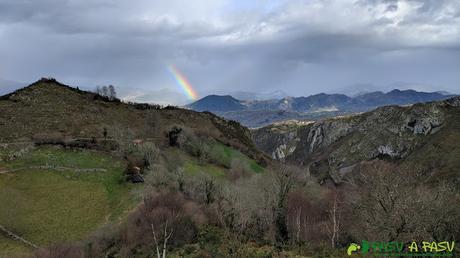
352,248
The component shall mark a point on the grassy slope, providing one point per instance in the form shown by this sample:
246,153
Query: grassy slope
441,151
226,154
221,157
50,107
10,247
46,206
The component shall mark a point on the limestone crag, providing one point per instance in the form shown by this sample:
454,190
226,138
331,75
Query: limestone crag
332,146
324,133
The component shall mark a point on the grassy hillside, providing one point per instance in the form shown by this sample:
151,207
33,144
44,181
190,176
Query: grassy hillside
52,195
50,109
217,164
11,247
63,153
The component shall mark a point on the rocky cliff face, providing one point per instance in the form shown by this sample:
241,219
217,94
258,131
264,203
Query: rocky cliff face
330,148
280,139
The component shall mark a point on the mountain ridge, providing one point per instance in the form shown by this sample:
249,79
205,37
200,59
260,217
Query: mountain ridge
411,136
254,113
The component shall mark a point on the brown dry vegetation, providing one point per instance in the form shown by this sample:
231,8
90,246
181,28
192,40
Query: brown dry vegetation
203,198
50,111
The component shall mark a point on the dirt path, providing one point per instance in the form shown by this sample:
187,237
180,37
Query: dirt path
16,237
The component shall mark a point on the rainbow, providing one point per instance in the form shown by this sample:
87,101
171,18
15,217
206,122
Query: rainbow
183,82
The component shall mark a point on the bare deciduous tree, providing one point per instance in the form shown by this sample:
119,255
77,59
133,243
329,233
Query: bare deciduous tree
390,204
163,212
308,215
111,92
107,91
335,217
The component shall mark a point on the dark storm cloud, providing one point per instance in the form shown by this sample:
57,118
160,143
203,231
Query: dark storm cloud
301,47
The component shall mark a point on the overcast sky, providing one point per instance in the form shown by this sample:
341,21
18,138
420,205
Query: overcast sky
299,47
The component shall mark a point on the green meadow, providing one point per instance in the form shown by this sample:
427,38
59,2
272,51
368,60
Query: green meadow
49,205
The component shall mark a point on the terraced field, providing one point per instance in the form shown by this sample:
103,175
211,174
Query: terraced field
52,194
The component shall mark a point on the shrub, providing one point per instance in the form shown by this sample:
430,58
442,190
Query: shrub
238,169
150,153
59,251
164,220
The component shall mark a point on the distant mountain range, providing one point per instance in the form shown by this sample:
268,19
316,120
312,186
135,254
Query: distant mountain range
256,113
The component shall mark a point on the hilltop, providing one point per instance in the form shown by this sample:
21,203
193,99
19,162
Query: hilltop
48,107
216,103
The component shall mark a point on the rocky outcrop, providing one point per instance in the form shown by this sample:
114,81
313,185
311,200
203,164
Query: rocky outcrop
424,121
288,144
423,126
388,150
334,146
454,102
324,133
278,140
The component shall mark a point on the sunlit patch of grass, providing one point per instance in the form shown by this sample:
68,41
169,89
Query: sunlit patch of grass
224,155
44,206
217,162
193,168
